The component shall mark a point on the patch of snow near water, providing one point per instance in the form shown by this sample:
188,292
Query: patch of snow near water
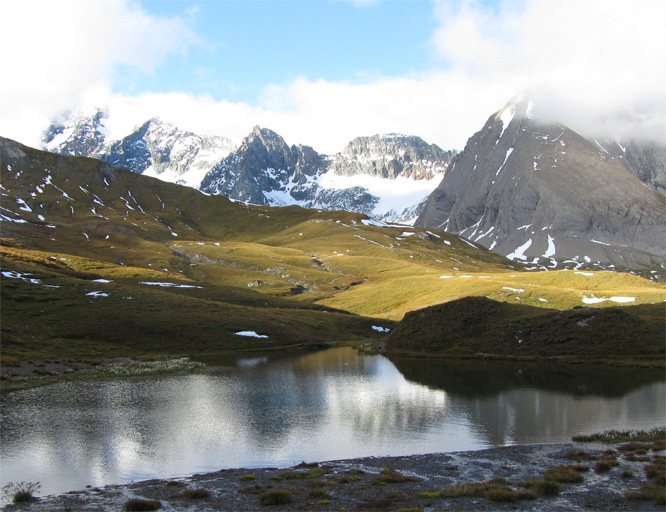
250,334
588,274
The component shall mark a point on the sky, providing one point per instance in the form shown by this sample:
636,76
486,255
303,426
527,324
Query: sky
322,72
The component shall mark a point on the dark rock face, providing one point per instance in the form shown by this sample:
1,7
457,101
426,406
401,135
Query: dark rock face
265,164
539,192
644,159
265,170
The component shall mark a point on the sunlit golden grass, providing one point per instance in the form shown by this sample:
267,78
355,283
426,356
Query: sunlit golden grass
275,271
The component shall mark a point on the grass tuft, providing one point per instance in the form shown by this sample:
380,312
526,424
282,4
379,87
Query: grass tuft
276,497
580,455
393,477
623,436
507,495
196,494
20,492
563,474
137,504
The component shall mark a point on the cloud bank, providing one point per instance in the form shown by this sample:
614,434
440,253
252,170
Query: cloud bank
596,65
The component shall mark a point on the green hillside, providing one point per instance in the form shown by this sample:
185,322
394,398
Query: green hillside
81,239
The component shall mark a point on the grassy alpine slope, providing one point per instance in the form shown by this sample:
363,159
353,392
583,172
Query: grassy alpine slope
83,245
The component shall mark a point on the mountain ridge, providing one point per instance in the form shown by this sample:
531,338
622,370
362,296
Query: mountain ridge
263,169
541,193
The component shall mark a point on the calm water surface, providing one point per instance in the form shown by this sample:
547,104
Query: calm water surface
320,406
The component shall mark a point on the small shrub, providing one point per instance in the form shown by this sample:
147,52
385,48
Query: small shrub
196,494
650,492
451,468
257,489
507,495
614,436
656,472
632,457
563,474
580,456
394,477
427,495
474,489
20,492
627,474
247,478
640,448
323,502
546,488
602,466
276,497
317,494
173,483
137,504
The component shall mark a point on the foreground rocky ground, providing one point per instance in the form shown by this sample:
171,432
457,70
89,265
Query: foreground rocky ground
577,476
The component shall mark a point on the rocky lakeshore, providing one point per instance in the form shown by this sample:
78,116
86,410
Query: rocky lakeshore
575,476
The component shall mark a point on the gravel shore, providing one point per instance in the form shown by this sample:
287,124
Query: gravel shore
412,483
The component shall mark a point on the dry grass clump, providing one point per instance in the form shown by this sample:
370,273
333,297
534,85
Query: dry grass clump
508,495
603,466
137,504
649,492
390,476
196,494
20,492
564,474
474,489
257,489
580,455
276,497
616,436
545,488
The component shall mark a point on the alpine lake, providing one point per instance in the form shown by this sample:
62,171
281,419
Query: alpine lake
277,410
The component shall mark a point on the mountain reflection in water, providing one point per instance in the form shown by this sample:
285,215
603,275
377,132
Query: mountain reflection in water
279,410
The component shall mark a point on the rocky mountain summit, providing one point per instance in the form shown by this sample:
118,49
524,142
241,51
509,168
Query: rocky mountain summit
78,134
390,156
156,148
540,193
265,170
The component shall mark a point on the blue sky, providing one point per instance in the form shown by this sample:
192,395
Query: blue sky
246,44
321,72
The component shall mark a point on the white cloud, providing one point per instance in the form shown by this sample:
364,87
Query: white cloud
327,115
56,52
594,65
